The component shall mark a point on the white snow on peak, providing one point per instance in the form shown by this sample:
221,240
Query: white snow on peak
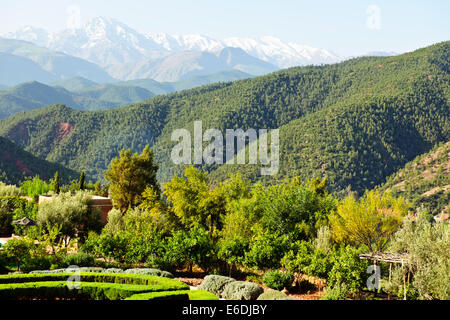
106,41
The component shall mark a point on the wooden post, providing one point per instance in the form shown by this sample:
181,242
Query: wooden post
404,282
390,277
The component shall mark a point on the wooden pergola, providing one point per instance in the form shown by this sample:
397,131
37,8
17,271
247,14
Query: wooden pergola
391,258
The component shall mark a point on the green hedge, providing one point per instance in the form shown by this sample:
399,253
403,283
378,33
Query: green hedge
158,283
59,289
191,294
97,286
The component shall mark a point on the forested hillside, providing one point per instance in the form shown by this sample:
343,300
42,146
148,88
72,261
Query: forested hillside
16,164
34,95
356,122
425,180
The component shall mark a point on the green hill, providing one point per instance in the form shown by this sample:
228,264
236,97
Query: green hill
75,84
189,83
47,65
15,164
34,95
356,122
120,95
16,69
425,180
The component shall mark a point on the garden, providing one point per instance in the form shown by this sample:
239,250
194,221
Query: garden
193,238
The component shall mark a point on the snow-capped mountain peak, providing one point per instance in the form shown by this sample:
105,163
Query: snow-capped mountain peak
107,42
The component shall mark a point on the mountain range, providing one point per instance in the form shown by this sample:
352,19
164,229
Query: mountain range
23,61
357,122
107,42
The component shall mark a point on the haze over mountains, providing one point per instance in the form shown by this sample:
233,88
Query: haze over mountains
126,54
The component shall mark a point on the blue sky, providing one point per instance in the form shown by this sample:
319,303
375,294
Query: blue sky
346,27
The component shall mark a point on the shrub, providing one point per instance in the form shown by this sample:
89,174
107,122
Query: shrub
8,204
348,269
305,258
19,250
273,295
150,271
35,187
71,212
240,290
112,270
78,259
337,292
115,221
266,250
278,280
36,263
9,191
193,247
215,284
427,246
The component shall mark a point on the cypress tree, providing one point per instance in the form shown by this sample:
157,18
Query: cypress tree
56,186
82,183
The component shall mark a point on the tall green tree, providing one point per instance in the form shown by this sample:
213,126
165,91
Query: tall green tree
129,175
82,182
56,185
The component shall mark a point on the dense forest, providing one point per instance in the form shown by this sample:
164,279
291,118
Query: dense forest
16,165
356,122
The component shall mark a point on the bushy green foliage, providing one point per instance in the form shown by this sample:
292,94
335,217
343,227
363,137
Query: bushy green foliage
18,249
305,258
369,221
79,259
278,280
9,190
26,209
337,292
240,290
215,284
273,295
266,250
71,212
295,209
427,247
192,248
35,187
115,222
9,207
129,175
348,269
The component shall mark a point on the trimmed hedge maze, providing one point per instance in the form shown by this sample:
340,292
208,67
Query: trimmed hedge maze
95,286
